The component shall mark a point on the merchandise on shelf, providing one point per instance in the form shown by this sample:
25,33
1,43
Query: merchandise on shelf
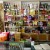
35,22
19,23
27,16
49,23
32,12
40,23
41,18
48,16
4,36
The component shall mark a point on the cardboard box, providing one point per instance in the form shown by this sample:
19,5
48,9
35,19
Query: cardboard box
17,36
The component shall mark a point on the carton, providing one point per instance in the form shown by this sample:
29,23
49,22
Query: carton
17,36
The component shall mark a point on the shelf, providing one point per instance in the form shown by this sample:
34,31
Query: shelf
7,9
13,9
42,14
42,20
18,15
5,21
10,9
22,26
43,9
14,15
46,15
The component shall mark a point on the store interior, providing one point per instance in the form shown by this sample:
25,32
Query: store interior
22,21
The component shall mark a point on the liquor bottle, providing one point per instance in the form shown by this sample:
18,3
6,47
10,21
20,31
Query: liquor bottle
40,5
9,5
14,6
23,30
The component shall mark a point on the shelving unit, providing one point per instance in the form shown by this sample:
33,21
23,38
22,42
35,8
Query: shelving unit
26,14
27,20
44,13
20,15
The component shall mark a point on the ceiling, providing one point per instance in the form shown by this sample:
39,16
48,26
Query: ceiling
26,0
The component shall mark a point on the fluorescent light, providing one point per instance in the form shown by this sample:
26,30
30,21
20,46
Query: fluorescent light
1,1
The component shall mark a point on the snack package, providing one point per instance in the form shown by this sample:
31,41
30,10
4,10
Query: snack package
35,22
49,17
48,23
42,18
19,23
8,18
29,18
25,18
32,12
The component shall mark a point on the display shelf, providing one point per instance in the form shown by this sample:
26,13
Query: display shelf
10,9
28,15
44,11
15,15
45,14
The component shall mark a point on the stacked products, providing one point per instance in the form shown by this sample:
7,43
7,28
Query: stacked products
27,17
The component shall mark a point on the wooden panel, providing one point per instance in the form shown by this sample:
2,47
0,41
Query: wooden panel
25,35
49,37
34,37
42,37
17,36
17,40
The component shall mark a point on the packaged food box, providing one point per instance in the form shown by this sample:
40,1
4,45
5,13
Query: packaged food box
32,12
17,36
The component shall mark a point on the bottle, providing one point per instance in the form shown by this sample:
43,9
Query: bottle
14,6
23,30
9,5
13,27
40,5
